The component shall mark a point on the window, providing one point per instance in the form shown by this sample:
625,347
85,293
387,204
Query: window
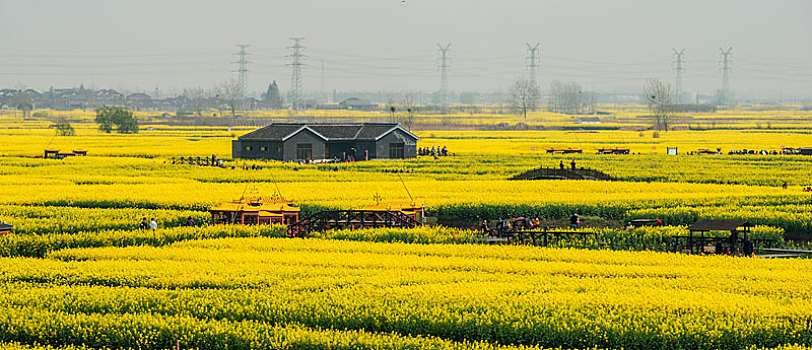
247,148
396,150
304,151
263,148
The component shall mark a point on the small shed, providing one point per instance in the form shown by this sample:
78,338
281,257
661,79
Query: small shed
51,152
614,151
5,228
734,227
255,210
564,150
720,225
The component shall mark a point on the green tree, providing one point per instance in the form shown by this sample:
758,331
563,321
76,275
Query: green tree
63,128
120,118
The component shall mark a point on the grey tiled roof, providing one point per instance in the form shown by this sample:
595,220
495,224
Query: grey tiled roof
336,132
343,131
718,225
371,132
272,132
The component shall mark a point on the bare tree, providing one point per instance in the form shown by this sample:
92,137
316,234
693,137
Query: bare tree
524,96
570,98
230,94
658,95
24,102
409,104
196,100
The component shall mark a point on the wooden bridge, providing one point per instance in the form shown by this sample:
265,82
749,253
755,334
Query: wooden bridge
352,220
784,253
540,238
563,174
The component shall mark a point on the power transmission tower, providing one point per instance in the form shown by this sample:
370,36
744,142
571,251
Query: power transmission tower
321,92
444,74
534,59
296,88
724,94
242,69
678,73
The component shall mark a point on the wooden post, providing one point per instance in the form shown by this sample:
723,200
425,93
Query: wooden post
703,243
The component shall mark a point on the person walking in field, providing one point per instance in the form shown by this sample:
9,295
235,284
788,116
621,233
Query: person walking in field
575,221
144,224
153,225
561,165
484,227
190,221
573,164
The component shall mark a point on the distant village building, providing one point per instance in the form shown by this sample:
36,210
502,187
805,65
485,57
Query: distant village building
314,141
140,101
357,104
589,120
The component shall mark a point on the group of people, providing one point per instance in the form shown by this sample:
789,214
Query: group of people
561,165
153,225
252,167
148,225
433,151
747,248
200,161
752,151
398,171
805,189
505,225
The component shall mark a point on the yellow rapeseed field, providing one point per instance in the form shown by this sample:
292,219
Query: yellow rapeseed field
75,272
236,292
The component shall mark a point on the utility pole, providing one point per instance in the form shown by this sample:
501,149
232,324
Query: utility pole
534,59
678,73
724,98
444,74
296,88
242,68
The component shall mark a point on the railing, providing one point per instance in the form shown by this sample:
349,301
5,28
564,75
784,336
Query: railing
351,219
564,174
540,238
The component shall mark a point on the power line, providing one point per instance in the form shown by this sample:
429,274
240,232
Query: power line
678,73
444,73
724,94
296,85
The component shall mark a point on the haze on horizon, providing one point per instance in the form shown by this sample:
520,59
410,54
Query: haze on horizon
390,45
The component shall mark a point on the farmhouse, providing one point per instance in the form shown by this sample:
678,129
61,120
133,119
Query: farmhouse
319,141
357,104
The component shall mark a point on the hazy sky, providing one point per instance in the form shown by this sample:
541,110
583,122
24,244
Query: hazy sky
391,44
